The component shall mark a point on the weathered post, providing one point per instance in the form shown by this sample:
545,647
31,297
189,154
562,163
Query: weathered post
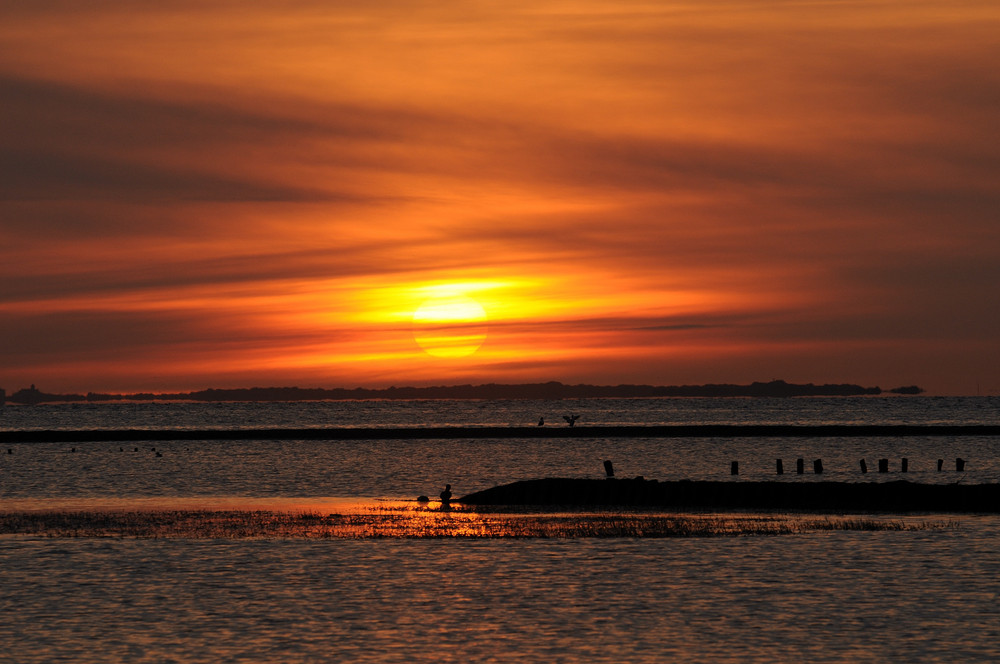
864,467
883,465
781,468
734,468
905,465
960,465
800,466
609,469
818,466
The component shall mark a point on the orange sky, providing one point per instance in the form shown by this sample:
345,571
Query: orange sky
222,194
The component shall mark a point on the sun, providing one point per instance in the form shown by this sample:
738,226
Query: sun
450,326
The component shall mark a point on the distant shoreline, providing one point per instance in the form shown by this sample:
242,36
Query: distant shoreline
552,390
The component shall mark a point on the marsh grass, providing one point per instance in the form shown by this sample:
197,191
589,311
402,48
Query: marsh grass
424,523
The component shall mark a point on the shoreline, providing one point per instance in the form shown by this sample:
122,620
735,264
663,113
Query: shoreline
425,523
504,432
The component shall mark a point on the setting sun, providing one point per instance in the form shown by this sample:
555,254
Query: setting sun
450,326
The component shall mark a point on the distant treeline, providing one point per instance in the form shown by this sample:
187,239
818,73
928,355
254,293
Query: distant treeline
550,390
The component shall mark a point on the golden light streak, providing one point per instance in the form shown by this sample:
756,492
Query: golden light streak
450,326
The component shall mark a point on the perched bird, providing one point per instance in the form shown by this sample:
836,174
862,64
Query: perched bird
571,419
541,421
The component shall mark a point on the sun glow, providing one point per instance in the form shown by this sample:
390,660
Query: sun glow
450,325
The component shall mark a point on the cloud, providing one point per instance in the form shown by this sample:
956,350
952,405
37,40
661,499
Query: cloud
63,141
678,184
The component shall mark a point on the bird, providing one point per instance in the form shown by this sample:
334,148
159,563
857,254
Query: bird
571,419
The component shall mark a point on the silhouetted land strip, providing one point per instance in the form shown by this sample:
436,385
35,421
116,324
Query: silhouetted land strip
421,523
466,433
552,390
889,497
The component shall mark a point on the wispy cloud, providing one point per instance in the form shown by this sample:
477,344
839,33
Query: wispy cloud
211,189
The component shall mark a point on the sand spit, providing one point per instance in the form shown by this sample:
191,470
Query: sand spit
872,497
461,523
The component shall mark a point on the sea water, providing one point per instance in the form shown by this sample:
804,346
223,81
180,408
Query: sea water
927,595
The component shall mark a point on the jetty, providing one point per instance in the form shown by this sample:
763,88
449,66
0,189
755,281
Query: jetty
505,432
870,497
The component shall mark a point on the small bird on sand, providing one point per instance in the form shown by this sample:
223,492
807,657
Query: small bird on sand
571,419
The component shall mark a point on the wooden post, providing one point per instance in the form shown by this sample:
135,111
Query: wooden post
609,469
905,465
960,465
940,464
883,465
864,467
800,466
818,466
781,468
734,468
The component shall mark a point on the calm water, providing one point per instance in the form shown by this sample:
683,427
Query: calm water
864,410
844,596
411,468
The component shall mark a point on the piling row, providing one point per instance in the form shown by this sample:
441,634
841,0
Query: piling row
883,466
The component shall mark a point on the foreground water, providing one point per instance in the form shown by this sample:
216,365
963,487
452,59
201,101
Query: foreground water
916,596
928,595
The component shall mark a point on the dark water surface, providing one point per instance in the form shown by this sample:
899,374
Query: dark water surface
914,596
431,412
929,595
407,468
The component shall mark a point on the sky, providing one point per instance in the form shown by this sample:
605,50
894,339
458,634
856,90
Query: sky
215,193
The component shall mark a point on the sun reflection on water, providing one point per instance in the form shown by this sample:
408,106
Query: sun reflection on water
357,519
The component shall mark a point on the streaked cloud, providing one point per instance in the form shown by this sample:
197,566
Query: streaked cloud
213,193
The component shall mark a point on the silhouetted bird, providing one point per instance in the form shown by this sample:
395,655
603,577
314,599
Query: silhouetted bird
571,419
446,496
541,421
